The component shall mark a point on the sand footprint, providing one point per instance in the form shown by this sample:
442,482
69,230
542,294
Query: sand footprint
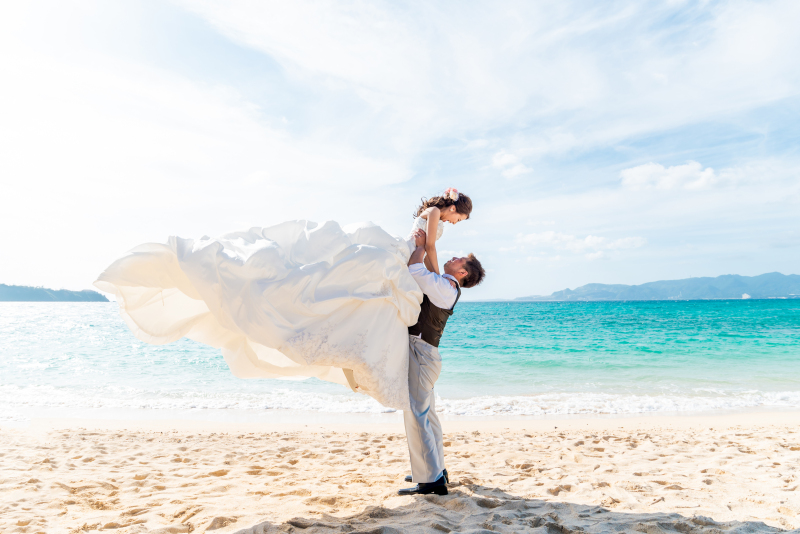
135,511
558,489
219,522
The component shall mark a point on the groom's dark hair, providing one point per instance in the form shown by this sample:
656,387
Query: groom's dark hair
475,272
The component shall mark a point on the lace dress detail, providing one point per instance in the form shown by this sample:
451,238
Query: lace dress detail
422,224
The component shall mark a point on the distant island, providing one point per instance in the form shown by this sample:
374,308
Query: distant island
42,294
728,286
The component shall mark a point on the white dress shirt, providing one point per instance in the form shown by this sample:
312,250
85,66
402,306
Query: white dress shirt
439,290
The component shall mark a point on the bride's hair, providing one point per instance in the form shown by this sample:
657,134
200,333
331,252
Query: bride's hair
463,204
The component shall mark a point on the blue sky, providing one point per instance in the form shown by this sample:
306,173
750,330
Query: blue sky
617,142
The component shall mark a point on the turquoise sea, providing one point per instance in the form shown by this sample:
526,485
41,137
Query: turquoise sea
500,359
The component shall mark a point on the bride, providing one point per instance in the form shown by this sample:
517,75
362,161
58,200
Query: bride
294,300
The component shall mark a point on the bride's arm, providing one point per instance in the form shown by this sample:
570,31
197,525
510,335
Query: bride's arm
427,262
431,260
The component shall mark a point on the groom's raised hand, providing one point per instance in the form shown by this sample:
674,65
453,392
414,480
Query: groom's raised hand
420,237
419,253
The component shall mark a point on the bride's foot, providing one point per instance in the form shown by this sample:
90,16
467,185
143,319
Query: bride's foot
444,473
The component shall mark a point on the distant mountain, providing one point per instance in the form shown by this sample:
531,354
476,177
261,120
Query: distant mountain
42,294
729,286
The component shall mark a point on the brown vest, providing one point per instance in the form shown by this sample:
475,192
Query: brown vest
432,320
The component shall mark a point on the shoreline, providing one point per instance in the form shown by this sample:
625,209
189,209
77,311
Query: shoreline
293,421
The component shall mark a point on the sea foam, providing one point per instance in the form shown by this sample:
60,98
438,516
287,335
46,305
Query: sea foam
15,400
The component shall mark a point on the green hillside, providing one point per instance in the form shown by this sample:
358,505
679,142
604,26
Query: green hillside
42,294
729,286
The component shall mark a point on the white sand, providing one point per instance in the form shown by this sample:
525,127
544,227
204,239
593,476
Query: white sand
687,474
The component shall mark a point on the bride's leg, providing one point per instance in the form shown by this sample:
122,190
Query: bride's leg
351,379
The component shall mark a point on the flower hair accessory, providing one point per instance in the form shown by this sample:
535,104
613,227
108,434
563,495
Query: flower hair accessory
451,193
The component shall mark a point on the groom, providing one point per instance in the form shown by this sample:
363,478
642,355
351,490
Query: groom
423,430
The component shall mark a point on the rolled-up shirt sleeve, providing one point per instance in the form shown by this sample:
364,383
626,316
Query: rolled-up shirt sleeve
437,287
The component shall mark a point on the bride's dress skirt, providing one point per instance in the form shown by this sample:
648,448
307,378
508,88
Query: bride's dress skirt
293,300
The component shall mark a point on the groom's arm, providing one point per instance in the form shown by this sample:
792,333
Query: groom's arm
417,255
421,240
440,290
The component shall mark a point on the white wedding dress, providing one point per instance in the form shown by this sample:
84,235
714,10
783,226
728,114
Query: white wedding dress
293,300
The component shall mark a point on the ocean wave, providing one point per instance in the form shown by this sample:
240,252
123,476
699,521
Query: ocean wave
612,404
112,397
14,398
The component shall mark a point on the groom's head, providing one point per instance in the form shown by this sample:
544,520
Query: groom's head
466,270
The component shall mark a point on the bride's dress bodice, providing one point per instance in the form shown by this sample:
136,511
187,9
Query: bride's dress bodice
422,224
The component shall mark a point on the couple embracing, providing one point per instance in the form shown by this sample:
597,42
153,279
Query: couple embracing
353,305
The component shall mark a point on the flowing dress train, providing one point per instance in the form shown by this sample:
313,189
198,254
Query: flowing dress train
294,300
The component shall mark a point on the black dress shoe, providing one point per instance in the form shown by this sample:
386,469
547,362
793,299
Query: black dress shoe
426,488
444,473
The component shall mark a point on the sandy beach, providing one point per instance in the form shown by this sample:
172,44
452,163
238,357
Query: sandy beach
734,473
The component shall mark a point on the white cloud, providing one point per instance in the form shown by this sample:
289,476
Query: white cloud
504,159
688,176
516,170
599,255
510,164
561,241
692,176
537,259
625,243
108,113
476,144
585,78
445,255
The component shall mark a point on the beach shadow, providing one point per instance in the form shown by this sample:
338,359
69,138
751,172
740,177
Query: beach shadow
479,509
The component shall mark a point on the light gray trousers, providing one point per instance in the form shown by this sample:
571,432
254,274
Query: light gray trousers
423,429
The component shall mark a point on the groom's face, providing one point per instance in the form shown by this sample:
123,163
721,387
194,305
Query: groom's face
455,267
